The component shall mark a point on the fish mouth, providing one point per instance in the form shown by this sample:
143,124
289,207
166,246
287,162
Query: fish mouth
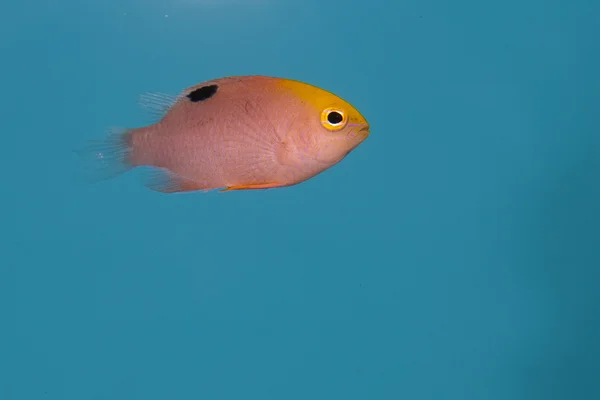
361,132
365,131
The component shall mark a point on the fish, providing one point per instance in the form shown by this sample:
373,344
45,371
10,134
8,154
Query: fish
232,133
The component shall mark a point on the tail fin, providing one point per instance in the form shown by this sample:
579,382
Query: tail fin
107,158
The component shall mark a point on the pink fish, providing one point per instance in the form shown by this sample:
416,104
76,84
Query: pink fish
246,132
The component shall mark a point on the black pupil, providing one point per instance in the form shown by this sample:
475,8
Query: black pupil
334,118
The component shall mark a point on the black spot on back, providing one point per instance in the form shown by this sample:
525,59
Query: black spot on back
203,93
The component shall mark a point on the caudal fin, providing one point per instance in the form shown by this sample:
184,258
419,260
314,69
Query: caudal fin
106,158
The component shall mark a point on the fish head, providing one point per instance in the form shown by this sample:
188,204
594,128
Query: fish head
327,127
340,129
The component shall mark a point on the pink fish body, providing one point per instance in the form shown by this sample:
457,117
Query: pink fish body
247,132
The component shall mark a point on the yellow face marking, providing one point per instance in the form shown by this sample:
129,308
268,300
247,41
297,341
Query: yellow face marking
326,103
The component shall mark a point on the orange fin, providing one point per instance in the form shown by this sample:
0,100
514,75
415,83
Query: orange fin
252,187
165,181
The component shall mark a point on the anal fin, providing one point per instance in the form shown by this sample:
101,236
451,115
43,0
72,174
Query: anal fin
253,187
165,181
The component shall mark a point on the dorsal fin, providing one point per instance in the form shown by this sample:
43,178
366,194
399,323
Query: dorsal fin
156,103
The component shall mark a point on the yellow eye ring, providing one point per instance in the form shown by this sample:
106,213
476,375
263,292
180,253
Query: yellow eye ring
333,119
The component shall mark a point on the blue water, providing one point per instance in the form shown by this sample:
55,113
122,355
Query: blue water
454,255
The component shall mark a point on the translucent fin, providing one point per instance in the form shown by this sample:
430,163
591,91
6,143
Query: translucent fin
157,104
164,181
106,158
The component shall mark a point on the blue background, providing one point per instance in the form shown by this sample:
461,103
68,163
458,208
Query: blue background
454,255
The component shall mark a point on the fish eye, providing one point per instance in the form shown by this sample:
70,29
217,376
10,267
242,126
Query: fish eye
333,119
